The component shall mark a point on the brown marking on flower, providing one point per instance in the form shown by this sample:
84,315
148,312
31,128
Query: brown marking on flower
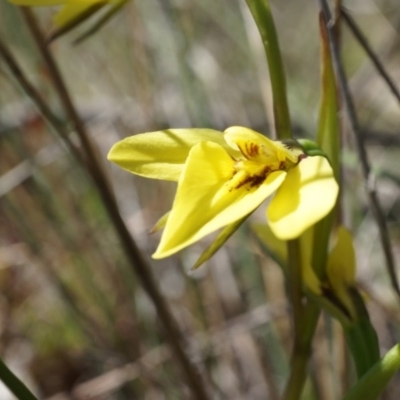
250,149
260,178
253,180
246,180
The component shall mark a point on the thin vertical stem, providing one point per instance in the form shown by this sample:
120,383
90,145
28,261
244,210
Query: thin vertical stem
262,15
137,261
301,353
304,321
295,283
370,183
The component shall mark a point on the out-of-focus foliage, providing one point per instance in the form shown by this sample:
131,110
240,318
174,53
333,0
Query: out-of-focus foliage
76,12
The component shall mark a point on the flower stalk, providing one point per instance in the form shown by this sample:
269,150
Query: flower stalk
301,353
295,283
262,15
302,339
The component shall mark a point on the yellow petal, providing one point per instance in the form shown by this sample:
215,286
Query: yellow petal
162,154
307,195
204,202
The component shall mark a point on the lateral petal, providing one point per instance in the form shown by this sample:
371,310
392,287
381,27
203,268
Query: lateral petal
204,202
161,154
307,195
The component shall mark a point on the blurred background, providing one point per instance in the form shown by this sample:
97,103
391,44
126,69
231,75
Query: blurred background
75,322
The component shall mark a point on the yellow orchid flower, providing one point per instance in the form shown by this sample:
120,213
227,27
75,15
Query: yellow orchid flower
223,177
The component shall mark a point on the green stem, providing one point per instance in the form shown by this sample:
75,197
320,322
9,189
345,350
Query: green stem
295,283
365,163
15,386
304,320
262,15
328,134
298,375
301,354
